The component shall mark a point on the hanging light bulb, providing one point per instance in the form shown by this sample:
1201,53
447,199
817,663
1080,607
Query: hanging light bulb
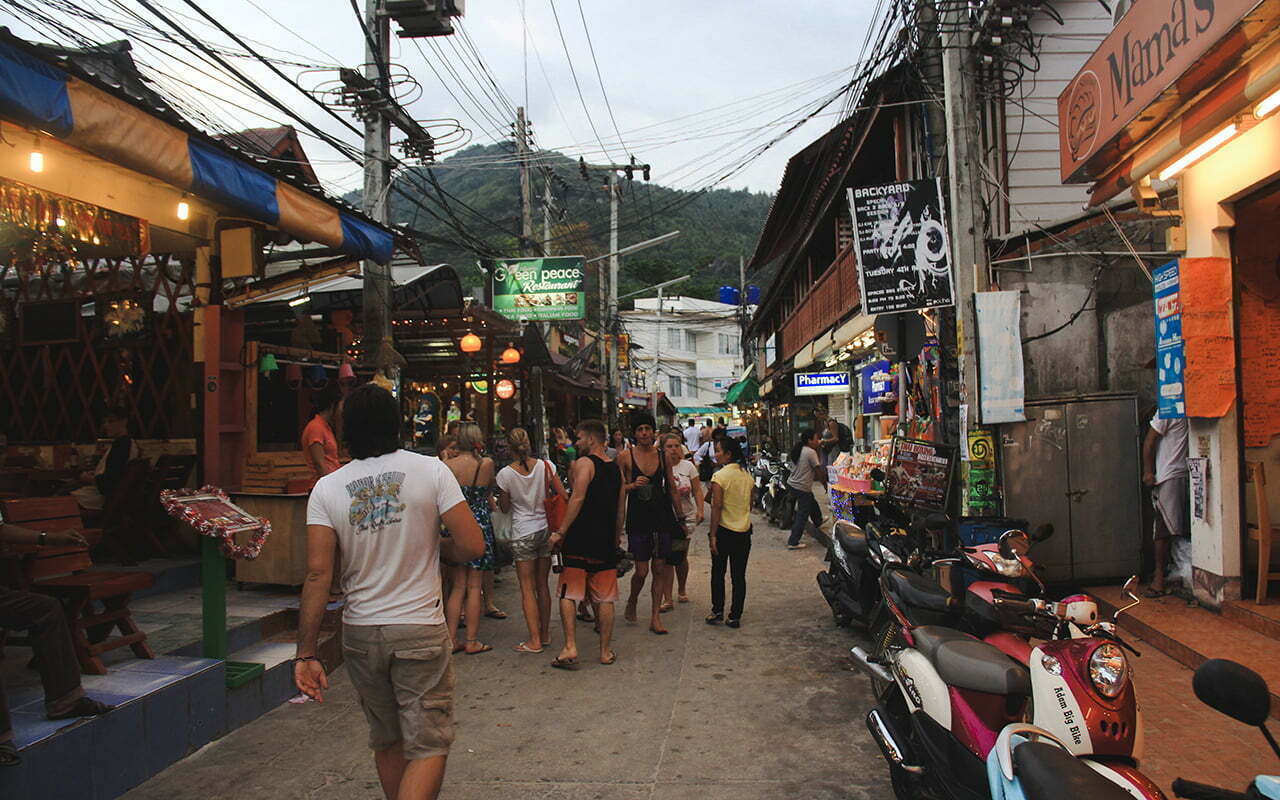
470,343
511,355
184,208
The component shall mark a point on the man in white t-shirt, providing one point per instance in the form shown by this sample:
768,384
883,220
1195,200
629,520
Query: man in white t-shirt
692,436
384,510
1164,469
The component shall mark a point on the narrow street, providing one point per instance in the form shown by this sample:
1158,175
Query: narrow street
767,711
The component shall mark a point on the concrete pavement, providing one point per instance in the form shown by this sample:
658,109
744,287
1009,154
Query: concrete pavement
771,710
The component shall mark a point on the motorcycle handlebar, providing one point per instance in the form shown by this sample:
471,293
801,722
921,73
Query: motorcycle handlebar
1200,791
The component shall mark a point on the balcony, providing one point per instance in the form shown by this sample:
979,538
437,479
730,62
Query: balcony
833,296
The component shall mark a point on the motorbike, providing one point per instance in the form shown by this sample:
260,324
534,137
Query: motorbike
1029,763
857,554
781,507
943,695
1242,694
760,472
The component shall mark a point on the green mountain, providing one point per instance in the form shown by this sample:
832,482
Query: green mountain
468,206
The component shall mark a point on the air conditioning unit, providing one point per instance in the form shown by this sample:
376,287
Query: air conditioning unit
418,18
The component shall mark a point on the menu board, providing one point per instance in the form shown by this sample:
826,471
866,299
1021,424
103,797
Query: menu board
1170,357
1207,335
919,473
1259,378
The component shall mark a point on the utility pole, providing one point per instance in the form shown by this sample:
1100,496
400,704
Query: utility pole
547,202
377,175
609,313
526,191
968,225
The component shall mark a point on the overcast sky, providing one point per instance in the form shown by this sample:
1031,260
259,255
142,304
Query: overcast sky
680,76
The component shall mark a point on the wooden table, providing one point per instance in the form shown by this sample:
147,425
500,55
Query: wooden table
283,560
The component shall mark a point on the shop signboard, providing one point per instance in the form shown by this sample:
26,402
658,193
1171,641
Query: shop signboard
1170,352
539,288
919,473
812,383
903,246
1153,45
878,386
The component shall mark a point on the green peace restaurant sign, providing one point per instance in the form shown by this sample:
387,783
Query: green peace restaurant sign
539,288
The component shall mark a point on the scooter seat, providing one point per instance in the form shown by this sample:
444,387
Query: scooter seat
929,637
916,591
1046,772
851,538
972,664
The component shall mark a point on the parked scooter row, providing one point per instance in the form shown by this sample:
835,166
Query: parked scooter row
984,688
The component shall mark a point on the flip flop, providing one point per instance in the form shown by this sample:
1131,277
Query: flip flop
658,632
564,663
9,755
684,598
585,617
611,658
665,607
1154,593
84,707
496,613
524,647
484,648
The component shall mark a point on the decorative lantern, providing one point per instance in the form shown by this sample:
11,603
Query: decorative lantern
293,375
267,364
511,355
316,376
346,374
470,343
505,389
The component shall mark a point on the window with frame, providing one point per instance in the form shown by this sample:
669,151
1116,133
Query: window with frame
729,345
677,386
691,341
675,338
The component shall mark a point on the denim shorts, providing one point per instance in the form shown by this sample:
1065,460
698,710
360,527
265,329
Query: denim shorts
531,548
403,675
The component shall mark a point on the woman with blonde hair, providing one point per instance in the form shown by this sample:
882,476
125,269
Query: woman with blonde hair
475,474
522,491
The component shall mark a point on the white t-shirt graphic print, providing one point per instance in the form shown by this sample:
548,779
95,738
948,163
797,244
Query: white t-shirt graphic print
386,514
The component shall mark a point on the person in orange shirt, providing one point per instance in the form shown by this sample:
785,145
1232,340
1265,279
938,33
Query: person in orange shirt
319,442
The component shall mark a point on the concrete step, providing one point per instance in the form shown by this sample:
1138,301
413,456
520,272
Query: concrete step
1192,635
1264,619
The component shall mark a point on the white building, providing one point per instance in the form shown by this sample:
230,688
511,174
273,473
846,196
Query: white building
694,353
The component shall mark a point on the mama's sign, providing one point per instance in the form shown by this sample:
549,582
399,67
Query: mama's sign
1154,44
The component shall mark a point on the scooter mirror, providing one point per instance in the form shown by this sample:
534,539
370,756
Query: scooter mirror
1128,591
1014,544
1233,689
1042,533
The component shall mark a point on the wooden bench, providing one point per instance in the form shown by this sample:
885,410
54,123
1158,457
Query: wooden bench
64,573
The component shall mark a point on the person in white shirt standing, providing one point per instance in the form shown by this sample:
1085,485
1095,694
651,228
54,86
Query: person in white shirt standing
1164,469
523,487
384,510
692,436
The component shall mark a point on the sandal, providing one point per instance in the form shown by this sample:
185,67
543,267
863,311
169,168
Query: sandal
714,619
483,648
9,755
684,598
564,663
524,647
1153,593
665,607
662,632
585,616
84,707
609,659
496,613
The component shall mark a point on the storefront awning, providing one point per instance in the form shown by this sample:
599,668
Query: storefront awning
89,117
744,391
686,411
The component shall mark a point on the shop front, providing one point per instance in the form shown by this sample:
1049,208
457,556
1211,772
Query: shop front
1197,132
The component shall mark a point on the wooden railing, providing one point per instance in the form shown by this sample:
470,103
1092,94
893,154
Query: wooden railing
833,296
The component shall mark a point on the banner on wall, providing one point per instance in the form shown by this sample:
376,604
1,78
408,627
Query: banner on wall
539,288
1000,373
1170,354
903,246
878,386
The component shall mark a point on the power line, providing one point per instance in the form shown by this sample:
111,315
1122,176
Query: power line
576,85
600,78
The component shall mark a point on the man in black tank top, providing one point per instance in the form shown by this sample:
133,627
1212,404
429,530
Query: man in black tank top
588,540
647,486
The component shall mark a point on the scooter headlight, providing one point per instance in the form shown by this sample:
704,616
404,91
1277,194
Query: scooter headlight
1008,567
1108,669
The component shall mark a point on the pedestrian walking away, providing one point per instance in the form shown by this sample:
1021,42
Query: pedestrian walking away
730,532
649,518
1164,469
589,539
806,469
523,487
689,492
692,435
385,510
475,474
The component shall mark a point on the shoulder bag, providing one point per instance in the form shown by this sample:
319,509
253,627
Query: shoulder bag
554,502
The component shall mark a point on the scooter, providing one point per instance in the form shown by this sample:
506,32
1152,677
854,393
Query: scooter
1029,763
856,555
1241,694
781,505
947,694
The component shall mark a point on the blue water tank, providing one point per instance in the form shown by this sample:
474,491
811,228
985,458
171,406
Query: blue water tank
753,295
730,295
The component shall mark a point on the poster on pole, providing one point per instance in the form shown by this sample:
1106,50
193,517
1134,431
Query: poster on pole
1170,355
903,246
1000,371
539,288
919,473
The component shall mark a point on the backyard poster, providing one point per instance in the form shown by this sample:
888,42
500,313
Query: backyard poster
539,288
903,247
